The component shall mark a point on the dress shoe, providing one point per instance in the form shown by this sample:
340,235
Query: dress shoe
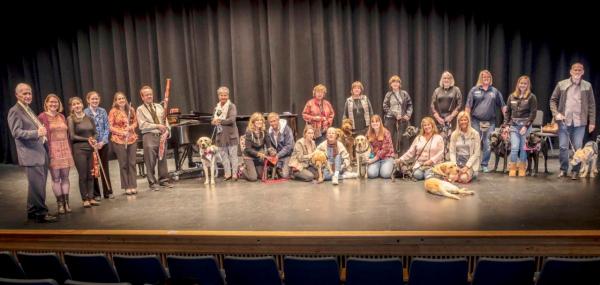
154,187
166,184
110,196
98,198
562,174
94,203
574,176
46,219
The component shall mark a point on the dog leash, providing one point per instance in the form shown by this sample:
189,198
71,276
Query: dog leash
568,136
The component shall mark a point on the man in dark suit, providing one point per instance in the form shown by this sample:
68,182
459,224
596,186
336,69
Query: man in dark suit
30,138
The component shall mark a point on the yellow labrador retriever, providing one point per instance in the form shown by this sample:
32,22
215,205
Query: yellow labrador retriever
440,187
588,157
208,155
362,149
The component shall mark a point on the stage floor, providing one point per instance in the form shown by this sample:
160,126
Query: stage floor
500,203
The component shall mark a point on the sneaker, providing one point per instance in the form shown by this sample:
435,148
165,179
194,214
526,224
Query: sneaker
335,180
166,184
110,196
94,203
562,174
98,198
128,192
485,169
154,187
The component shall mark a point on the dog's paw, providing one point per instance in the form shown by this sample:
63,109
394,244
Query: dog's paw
206,182
212,182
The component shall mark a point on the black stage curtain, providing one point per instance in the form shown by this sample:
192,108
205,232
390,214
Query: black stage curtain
272,53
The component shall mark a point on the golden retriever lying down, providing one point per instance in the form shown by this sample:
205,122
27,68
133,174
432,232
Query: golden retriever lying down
448,170
443,188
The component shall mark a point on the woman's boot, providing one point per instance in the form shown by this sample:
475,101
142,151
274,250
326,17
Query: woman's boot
66,200
512,169
61,204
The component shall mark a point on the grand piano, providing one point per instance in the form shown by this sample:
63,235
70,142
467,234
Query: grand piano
189,127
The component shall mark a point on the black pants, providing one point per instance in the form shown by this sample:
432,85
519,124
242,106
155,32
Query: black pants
397,128
126,158
36,190
105,187
84,162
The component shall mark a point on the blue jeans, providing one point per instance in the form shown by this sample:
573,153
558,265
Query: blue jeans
517,143
382,167
337,161
485,139
564,134
422,174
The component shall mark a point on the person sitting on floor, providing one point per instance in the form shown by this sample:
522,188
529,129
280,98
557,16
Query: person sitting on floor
281,138
337,156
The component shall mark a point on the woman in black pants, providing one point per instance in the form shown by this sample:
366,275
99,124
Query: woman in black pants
82,132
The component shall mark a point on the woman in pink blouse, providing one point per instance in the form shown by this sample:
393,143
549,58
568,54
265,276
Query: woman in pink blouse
381,164
59,148
123,122
426,150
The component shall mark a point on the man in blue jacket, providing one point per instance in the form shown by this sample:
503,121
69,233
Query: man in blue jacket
281,138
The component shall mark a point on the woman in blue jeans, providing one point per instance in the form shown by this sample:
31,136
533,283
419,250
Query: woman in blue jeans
522,108
337,156
381,164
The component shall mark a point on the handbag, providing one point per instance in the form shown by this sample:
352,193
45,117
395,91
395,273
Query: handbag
551,127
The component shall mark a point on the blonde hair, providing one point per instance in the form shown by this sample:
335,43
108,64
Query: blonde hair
71,100
114,104
371,135
89,94
357,84
480,78
52,95
306,129
394,78
528,91
319,88
223,89
456,131
253,118
430,121
451,79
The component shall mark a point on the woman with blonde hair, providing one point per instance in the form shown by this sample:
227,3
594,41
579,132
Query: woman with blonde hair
123,122
482,103
59,150
382,162
300,161
397,110
426,150
446,102
318,113
522,108
465,148
256,147
358,109
337,156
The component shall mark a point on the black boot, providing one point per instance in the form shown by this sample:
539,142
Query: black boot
61,204
66,203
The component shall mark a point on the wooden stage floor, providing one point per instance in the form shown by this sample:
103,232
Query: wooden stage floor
501,203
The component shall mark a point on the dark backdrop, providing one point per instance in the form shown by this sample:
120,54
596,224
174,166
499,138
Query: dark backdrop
271,53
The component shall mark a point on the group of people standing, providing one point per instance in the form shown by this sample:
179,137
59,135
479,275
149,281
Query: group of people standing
51,140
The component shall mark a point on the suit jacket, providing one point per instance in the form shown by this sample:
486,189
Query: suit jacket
30,148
